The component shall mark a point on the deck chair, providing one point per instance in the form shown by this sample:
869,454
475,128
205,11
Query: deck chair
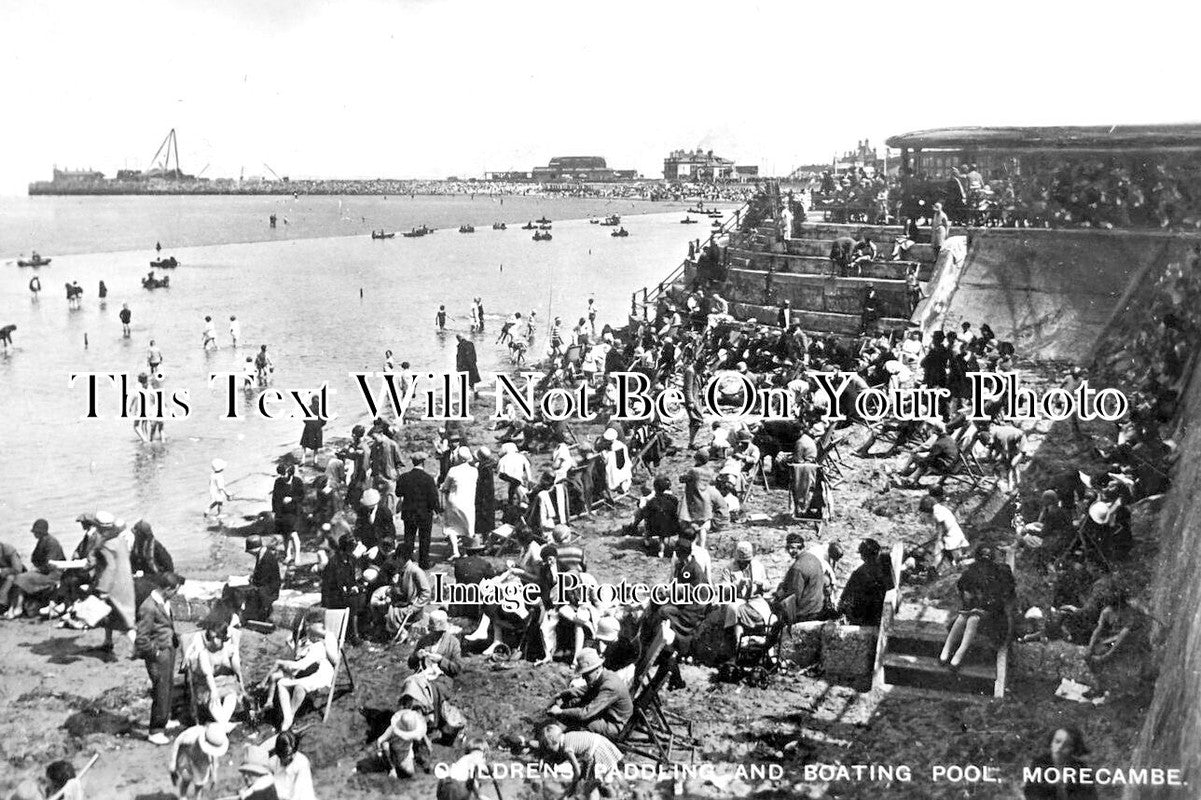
829,455
337,620
962,470
651,731
821,504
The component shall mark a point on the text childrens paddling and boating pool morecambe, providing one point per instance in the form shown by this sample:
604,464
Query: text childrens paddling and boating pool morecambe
450,396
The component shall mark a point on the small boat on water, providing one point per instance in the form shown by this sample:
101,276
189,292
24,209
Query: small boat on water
539,236
34,260
716,223
156,283
529,226
620,232
594,221
544,221
544,227
422,231
382,235
714,213
499,226
688,221
466,229
165,263
698,210
612,220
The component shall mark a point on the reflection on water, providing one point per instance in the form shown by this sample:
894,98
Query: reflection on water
325,307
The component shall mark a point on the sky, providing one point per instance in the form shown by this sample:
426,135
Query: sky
432,88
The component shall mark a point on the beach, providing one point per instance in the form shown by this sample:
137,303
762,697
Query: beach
301,297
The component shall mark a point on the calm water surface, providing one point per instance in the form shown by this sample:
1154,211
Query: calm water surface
301,297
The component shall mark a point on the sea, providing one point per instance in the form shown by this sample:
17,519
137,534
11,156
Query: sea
327,299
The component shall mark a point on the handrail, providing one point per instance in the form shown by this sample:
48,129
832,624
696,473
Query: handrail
650,296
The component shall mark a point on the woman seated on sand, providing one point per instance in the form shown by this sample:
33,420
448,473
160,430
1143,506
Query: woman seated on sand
291,681
216,668
987,590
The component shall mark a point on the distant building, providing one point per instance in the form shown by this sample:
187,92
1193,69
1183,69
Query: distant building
77,175
698,165
580,168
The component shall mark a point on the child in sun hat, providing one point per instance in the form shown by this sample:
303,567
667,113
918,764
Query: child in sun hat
194,758
217,492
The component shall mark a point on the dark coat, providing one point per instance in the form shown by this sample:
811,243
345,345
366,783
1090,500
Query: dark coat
373,534
465,361
417,492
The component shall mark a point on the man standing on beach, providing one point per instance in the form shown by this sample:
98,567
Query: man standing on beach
419,501
156,644
126,315
465,361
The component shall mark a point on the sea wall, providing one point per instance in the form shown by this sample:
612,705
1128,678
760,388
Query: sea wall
1171,735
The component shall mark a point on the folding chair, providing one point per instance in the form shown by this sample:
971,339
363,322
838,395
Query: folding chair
830,456
962,470
337,620
649,731
821,504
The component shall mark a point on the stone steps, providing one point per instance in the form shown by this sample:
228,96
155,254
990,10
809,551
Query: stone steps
820,265
815,321
815,292
924,672
807,246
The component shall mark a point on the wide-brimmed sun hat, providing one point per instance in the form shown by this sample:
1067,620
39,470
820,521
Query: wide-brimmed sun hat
588,661
369,498
744,551
439,620
218,464
214,742
608,629
408,725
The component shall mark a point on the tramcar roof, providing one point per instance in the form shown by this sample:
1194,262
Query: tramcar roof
1093,137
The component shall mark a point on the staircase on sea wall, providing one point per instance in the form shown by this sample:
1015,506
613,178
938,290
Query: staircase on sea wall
764,272
911,639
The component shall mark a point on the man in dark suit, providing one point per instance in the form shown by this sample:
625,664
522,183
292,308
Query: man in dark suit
374,526
419,501
156,644
265,577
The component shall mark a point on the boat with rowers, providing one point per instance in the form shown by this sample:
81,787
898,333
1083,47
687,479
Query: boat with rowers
543,221
620,232
612,220
529,226
382,235
466,229
34,260
688,221
539,236
165,263
499,226
422,231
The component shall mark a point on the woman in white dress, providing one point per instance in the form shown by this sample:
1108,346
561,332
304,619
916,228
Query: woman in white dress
458,520
311,671
619,472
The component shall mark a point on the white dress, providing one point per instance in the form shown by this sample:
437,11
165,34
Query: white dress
460,500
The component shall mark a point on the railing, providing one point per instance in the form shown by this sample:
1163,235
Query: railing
650,295
892,604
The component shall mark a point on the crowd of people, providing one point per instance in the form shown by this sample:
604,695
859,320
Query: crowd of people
370,518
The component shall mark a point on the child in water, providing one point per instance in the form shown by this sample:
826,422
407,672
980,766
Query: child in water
126,315
217,492
235,330
210,334
440,317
